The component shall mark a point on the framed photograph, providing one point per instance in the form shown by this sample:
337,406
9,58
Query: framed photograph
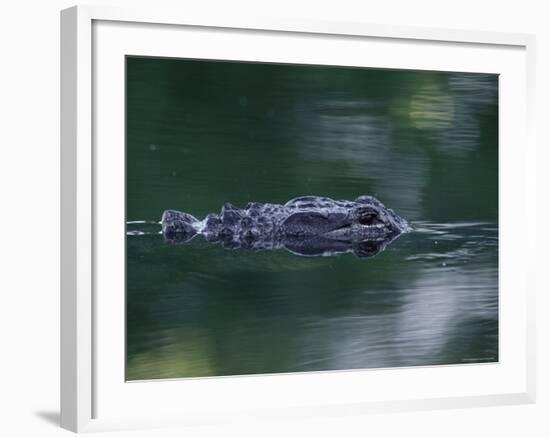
282,218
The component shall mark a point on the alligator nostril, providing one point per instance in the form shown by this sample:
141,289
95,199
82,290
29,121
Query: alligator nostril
213,221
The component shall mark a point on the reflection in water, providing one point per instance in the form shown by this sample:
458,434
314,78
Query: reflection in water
308,247
451,292
446,313
311,246
202,133
362,134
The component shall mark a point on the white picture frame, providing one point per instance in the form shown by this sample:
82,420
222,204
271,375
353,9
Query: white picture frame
90,38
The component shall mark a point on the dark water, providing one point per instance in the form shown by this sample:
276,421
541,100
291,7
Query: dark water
200,134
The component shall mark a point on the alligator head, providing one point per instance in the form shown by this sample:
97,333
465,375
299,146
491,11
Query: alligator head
366,218
309,225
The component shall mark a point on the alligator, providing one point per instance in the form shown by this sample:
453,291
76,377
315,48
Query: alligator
308,225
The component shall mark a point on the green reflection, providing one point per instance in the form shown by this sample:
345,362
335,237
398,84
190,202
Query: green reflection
200,134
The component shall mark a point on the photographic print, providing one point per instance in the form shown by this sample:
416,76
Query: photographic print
285,218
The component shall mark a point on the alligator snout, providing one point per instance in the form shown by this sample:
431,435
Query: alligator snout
176,224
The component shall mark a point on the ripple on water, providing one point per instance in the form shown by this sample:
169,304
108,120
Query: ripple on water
451,243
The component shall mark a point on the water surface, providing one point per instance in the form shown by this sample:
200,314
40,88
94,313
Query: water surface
200,134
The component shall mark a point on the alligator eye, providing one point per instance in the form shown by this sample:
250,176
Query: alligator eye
367,219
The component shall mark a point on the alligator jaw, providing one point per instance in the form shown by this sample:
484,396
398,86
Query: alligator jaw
357,232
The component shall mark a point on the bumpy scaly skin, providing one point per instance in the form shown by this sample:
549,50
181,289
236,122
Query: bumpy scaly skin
309,225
